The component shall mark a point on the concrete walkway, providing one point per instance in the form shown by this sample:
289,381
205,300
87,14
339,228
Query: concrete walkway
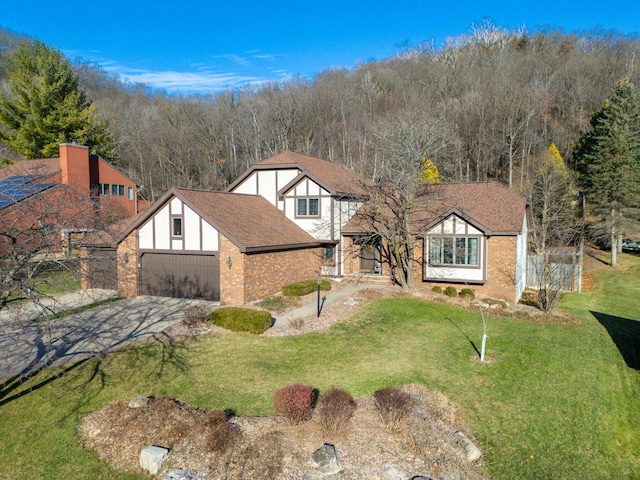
311,309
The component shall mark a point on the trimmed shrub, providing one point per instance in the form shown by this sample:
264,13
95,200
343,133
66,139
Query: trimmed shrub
197,314
467,293
436,289
220,434
242,319
305,287
393,405
335,409
294,402
450,291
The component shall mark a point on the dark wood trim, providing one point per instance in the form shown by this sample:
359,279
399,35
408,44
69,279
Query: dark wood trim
482,262
177,252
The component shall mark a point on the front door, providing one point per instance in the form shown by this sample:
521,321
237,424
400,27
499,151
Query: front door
370,256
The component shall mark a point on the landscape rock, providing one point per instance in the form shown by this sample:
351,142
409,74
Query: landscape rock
151,458
180,474
139,401
351,302
472,450
326,458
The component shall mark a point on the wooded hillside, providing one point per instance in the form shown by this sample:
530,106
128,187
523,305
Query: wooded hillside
485,106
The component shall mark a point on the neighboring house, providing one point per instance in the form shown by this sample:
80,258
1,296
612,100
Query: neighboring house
89,175
40,219
472,234
213,245
318,195
55,202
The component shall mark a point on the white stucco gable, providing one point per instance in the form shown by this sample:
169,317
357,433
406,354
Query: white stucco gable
177,227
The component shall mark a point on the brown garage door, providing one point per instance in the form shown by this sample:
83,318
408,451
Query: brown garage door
180,276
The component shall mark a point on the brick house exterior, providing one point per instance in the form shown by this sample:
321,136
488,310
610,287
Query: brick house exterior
88,174
472,234
318,195
240,248
42,223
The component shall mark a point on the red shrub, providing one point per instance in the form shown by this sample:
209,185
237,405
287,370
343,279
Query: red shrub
294,402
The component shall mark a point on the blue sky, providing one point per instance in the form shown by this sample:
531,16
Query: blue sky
206,46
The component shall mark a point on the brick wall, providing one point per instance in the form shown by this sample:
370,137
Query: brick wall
127,266
232,280
351,263
266,273
501,268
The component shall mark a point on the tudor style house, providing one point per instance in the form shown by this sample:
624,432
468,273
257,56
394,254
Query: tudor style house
318,195
213,245
292,216
470,234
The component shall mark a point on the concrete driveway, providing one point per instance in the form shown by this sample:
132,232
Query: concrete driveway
27,346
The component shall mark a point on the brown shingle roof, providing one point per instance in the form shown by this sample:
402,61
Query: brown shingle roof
334,177
491,206
249,221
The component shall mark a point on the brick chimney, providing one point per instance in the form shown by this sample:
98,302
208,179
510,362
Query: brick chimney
74,163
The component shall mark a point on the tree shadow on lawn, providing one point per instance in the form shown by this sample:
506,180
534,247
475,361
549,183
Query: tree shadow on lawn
70,342
465,335
625,333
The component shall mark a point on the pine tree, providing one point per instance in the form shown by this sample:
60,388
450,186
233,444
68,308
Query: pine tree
608,159
45,107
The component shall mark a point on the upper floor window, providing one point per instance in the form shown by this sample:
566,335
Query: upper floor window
307,207
130,193
454,251
111,189
176,226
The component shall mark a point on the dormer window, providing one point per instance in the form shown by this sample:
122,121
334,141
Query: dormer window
307,207
176,226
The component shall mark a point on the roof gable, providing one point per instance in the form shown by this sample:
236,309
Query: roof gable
249,221
489,206
333,177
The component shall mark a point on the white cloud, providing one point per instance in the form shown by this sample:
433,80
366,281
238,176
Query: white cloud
231,71
201,81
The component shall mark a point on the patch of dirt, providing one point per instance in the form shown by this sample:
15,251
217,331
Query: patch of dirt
426,444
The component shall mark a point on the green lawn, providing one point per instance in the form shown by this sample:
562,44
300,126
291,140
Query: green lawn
558,400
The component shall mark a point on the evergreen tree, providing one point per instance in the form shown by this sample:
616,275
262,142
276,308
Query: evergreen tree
608,159
44,106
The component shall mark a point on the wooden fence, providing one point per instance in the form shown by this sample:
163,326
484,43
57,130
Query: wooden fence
563,271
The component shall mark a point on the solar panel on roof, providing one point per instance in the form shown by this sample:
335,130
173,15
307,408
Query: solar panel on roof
18,187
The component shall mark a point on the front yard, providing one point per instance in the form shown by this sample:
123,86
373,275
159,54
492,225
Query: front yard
559,398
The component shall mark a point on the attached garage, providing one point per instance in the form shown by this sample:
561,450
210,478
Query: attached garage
219,246
180,275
